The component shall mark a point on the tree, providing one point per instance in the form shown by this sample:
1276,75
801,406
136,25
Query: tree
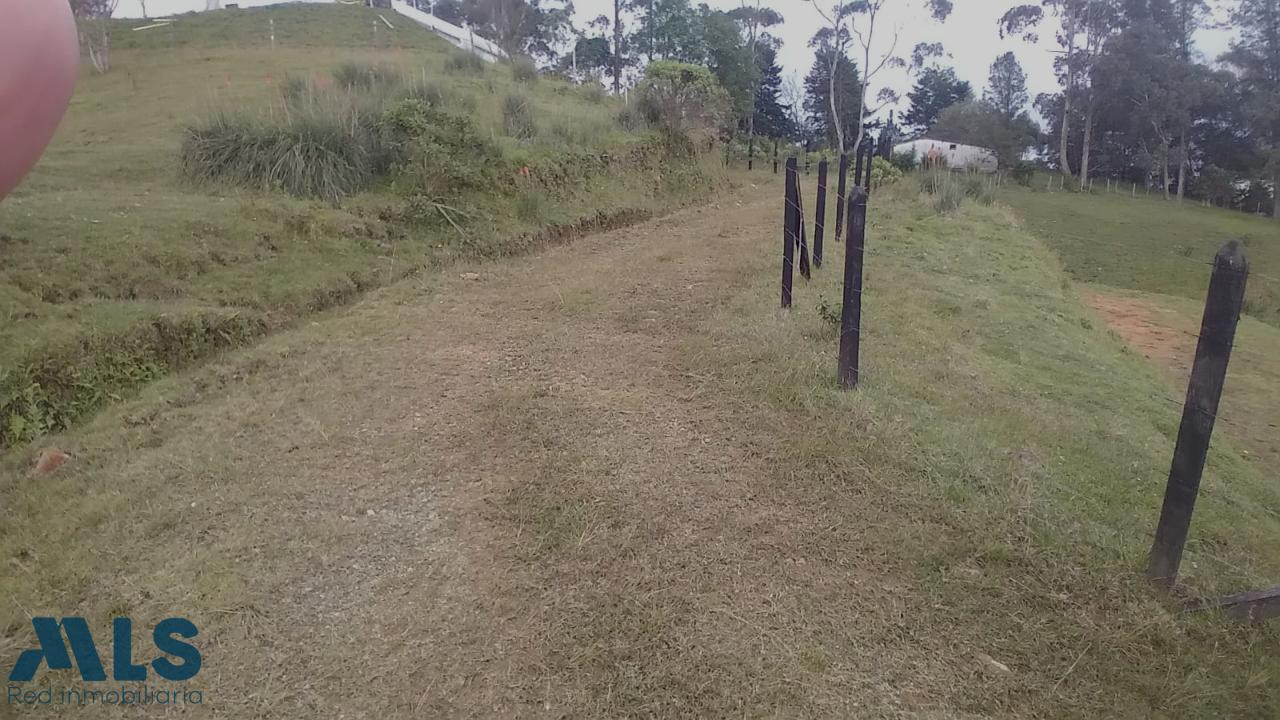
1083,25
859,19
1007,86
93,21
591,57
451,11
979,123
619,51
936,90
522,27
725,52
1255,58
769,116
754,19
832,91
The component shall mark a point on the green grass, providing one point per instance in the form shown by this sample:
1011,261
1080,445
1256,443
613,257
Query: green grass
998,412
105,236
1149,244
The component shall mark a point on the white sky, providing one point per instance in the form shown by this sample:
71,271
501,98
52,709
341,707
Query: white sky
970,36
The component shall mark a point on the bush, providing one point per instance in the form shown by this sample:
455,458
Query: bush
437,154
904,161
462,62
517,117
680,97
364,76
1023,173
884,171
524,71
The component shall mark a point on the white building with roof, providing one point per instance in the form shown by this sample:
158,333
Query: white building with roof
956,155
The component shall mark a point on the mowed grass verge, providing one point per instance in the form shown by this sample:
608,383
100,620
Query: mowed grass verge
996,404
1149,244
114,270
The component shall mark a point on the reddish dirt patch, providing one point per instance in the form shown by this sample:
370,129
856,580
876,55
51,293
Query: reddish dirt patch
1150,329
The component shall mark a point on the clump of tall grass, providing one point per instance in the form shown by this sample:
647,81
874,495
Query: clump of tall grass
524,71
352,75
462,62
328,151
517,117
943,189
980,188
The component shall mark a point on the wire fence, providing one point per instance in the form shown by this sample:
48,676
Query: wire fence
1215,345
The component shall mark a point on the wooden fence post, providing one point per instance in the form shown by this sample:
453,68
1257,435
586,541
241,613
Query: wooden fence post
791,207
857,166
851,308
1217,333
801,233
871,158
775,156
820,213
751,152
841,185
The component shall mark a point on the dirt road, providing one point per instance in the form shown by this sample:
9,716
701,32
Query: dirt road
501,493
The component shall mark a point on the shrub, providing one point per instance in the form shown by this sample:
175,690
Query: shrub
884,171
524,71
681,97
463,63
365,76
437,154
517,117
904,161
1023,172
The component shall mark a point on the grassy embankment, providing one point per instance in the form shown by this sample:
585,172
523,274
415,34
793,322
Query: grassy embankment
1146,263
116,268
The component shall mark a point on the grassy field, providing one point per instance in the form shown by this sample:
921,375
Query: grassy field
114,270
1149,244
560,490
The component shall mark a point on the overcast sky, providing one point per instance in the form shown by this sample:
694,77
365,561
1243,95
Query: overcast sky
970,36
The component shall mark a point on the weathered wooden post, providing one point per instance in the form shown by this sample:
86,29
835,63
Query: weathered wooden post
775,156
851,308
791,207
871,157
751,152
841,185
820,213
857,165
1199,410
802,232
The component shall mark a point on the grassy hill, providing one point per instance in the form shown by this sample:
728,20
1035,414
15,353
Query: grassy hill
116,268
1149,244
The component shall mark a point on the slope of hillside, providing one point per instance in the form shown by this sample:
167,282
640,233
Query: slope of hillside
114,270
